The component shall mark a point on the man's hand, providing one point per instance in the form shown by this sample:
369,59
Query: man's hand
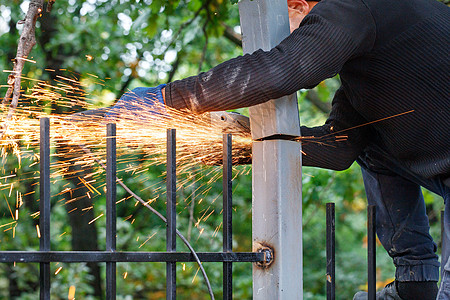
140,102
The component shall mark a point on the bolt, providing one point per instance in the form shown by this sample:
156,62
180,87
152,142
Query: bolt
268,257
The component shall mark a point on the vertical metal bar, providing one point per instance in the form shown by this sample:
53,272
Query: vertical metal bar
331,251
111,208
44,206
171,245
444,241
276,166
442,229
227,215
371,251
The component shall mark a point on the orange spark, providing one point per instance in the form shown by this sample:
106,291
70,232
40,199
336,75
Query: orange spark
9,207
26,59
10,223
95,219
58,270
72,210
147,240
71,295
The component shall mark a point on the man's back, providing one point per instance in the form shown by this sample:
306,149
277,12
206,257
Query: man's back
406,69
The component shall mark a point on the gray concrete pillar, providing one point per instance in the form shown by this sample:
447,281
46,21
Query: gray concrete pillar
277,199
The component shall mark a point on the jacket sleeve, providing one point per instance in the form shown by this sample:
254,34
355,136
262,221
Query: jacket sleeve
334,32
337,143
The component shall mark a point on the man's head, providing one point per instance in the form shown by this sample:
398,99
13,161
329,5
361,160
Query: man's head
298,9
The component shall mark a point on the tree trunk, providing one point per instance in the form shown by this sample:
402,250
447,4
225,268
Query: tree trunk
84,235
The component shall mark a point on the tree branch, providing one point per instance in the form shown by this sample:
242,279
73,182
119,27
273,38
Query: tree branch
50,5
183,26
205,47
26,43
175,66
231,35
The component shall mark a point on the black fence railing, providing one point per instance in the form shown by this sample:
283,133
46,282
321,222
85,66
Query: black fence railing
331,251
111,256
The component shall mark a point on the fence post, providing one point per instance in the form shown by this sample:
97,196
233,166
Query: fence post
227,215
331,251
277,213
171,246
44,206
111,208
371,251
445,241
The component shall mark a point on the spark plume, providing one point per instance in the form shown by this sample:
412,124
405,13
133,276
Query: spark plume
141,144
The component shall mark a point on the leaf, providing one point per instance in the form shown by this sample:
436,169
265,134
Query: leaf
152,28
143,17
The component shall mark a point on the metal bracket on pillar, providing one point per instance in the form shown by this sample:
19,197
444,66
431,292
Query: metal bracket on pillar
277,213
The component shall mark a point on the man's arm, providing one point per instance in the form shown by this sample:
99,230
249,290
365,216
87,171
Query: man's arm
333,33
337,144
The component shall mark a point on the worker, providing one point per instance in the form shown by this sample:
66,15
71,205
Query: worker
393,60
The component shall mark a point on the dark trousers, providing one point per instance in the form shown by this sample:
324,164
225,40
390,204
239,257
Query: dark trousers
402,222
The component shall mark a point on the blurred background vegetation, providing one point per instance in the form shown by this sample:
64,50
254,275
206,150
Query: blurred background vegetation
146,43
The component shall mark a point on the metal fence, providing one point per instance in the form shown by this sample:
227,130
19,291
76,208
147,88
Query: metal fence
111,256
331,251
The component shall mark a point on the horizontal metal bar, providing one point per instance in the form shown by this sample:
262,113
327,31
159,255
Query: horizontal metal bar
106,256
